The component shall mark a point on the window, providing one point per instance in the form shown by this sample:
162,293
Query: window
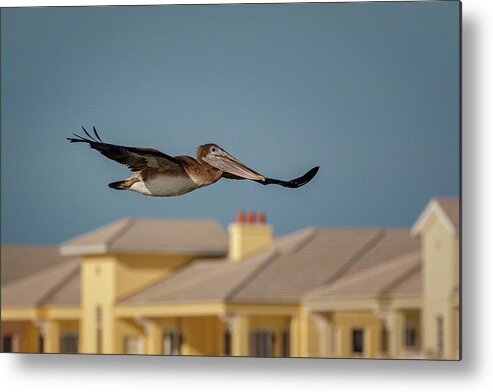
385,339
69,343
99,330
172,341
410,336
41,343
439,337
285,343
7,343
261,343
133,345
227,342
358,341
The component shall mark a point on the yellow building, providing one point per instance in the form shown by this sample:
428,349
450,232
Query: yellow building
439,229
157,286
399,307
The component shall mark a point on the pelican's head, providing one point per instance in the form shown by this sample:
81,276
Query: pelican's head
213,155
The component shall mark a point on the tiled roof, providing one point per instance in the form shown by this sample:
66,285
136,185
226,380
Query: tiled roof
285,272
67,293
316,260
19,261
152,235
399,277
390,243
203,281
37,288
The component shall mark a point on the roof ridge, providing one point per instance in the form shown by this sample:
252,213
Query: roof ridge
5,245
60,284
182,268
370,272
299,237
370,244
172,274
381,266
251,275
42,271
156,218
376,269
400,279
360,228
128,223
308,237
194,283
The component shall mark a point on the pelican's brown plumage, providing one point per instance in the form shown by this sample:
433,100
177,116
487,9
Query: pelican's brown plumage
159,174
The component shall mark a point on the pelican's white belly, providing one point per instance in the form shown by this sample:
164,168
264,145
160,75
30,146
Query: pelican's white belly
165,186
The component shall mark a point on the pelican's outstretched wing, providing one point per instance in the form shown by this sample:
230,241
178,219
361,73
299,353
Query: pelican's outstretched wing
295,183
136,158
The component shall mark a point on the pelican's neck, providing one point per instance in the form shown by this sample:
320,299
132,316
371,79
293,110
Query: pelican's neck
199,171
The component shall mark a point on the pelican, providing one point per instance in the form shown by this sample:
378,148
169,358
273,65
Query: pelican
159,174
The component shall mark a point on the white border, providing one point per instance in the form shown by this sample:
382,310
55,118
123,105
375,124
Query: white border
142,374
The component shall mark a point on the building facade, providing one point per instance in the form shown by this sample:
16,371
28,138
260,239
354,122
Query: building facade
180,287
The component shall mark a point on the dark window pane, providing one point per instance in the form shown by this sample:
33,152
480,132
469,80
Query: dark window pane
41,343
410,337
440,337
227,342
357,340
172,341
69,344
7,344
385,340
261,343
285,343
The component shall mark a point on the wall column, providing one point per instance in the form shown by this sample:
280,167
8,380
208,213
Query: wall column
367,342
98,292
394,321
304,333
396,335
88,332
109,331
325,332
373,341
294,336
240,336
153,336
51,335
342,344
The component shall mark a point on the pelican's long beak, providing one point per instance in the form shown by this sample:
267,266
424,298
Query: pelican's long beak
229,164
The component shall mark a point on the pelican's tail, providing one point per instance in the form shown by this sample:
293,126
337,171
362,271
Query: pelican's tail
124,184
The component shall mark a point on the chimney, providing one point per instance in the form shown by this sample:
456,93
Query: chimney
250,234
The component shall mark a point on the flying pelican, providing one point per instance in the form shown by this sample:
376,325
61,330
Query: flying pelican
159,174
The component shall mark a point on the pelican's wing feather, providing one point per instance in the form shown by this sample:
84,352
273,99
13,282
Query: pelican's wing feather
295,183
135,158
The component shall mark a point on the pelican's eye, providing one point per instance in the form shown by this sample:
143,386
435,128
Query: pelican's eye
213,149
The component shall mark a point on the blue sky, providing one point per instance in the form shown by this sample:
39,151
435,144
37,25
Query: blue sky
368,91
